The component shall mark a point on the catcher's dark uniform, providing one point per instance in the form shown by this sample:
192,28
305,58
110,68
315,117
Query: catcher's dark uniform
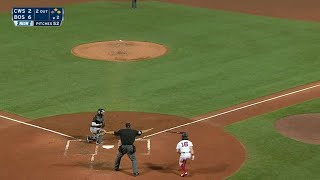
134,4
127,137
97,124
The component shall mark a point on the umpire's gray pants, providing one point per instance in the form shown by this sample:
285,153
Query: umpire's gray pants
126,149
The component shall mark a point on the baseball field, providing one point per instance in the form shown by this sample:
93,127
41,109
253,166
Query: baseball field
230,73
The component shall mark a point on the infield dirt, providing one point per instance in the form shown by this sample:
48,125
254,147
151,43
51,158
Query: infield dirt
120,50
40,155
301,127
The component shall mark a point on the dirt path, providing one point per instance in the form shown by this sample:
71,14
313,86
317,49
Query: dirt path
300,127
261,105
307,10
292,9
6,5
5,123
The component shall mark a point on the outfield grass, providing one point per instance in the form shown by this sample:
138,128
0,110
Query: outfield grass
216,59
273,156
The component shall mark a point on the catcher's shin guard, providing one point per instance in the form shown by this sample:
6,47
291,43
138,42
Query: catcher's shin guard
90,139
99,139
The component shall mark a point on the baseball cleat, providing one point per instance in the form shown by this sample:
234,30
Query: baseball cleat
98,143
90,139
184,174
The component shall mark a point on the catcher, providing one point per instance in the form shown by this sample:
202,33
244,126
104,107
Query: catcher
96,128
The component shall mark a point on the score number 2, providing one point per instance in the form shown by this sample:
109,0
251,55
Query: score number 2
184,144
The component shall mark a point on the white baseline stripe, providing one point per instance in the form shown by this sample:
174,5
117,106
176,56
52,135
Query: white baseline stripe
233,110
93,156
67,146
35,126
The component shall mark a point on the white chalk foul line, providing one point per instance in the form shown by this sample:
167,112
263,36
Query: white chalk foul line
233,110
68,144
38,127
93,156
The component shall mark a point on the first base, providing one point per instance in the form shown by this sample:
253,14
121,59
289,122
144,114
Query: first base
108,146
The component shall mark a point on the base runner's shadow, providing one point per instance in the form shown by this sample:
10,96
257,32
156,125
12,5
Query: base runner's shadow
164,168
173,169
97,166
212,169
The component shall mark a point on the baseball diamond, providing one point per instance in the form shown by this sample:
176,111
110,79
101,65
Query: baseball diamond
206,89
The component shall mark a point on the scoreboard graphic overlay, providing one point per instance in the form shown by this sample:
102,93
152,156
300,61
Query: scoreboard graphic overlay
37,16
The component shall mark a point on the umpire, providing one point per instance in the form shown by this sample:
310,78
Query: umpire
134,4
127,137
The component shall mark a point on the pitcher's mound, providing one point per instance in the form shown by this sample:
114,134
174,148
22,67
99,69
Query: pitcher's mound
304,127
119,50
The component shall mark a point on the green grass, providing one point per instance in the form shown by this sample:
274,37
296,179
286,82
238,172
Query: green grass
216,59
273,156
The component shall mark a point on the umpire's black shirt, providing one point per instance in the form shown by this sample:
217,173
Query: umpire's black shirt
128,135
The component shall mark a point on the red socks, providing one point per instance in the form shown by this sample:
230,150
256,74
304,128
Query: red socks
183,166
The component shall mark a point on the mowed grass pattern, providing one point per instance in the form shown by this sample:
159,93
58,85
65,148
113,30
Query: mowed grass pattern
215,59
273,156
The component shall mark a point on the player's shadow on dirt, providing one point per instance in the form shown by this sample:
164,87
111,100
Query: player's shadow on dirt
212,169
101,166
95,166
110,167
80,137
98,166
173,169
170,168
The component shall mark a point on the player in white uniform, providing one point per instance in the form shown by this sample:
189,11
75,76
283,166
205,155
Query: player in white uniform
185,149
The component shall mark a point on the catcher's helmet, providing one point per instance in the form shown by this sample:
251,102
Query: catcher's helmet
100,111
184,136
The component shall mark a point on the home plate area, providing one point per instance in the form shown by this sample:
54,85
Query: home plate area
95,154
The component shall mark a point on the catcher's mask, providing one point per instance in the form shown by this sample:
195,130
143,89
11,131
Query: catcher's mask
100,111
184,136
